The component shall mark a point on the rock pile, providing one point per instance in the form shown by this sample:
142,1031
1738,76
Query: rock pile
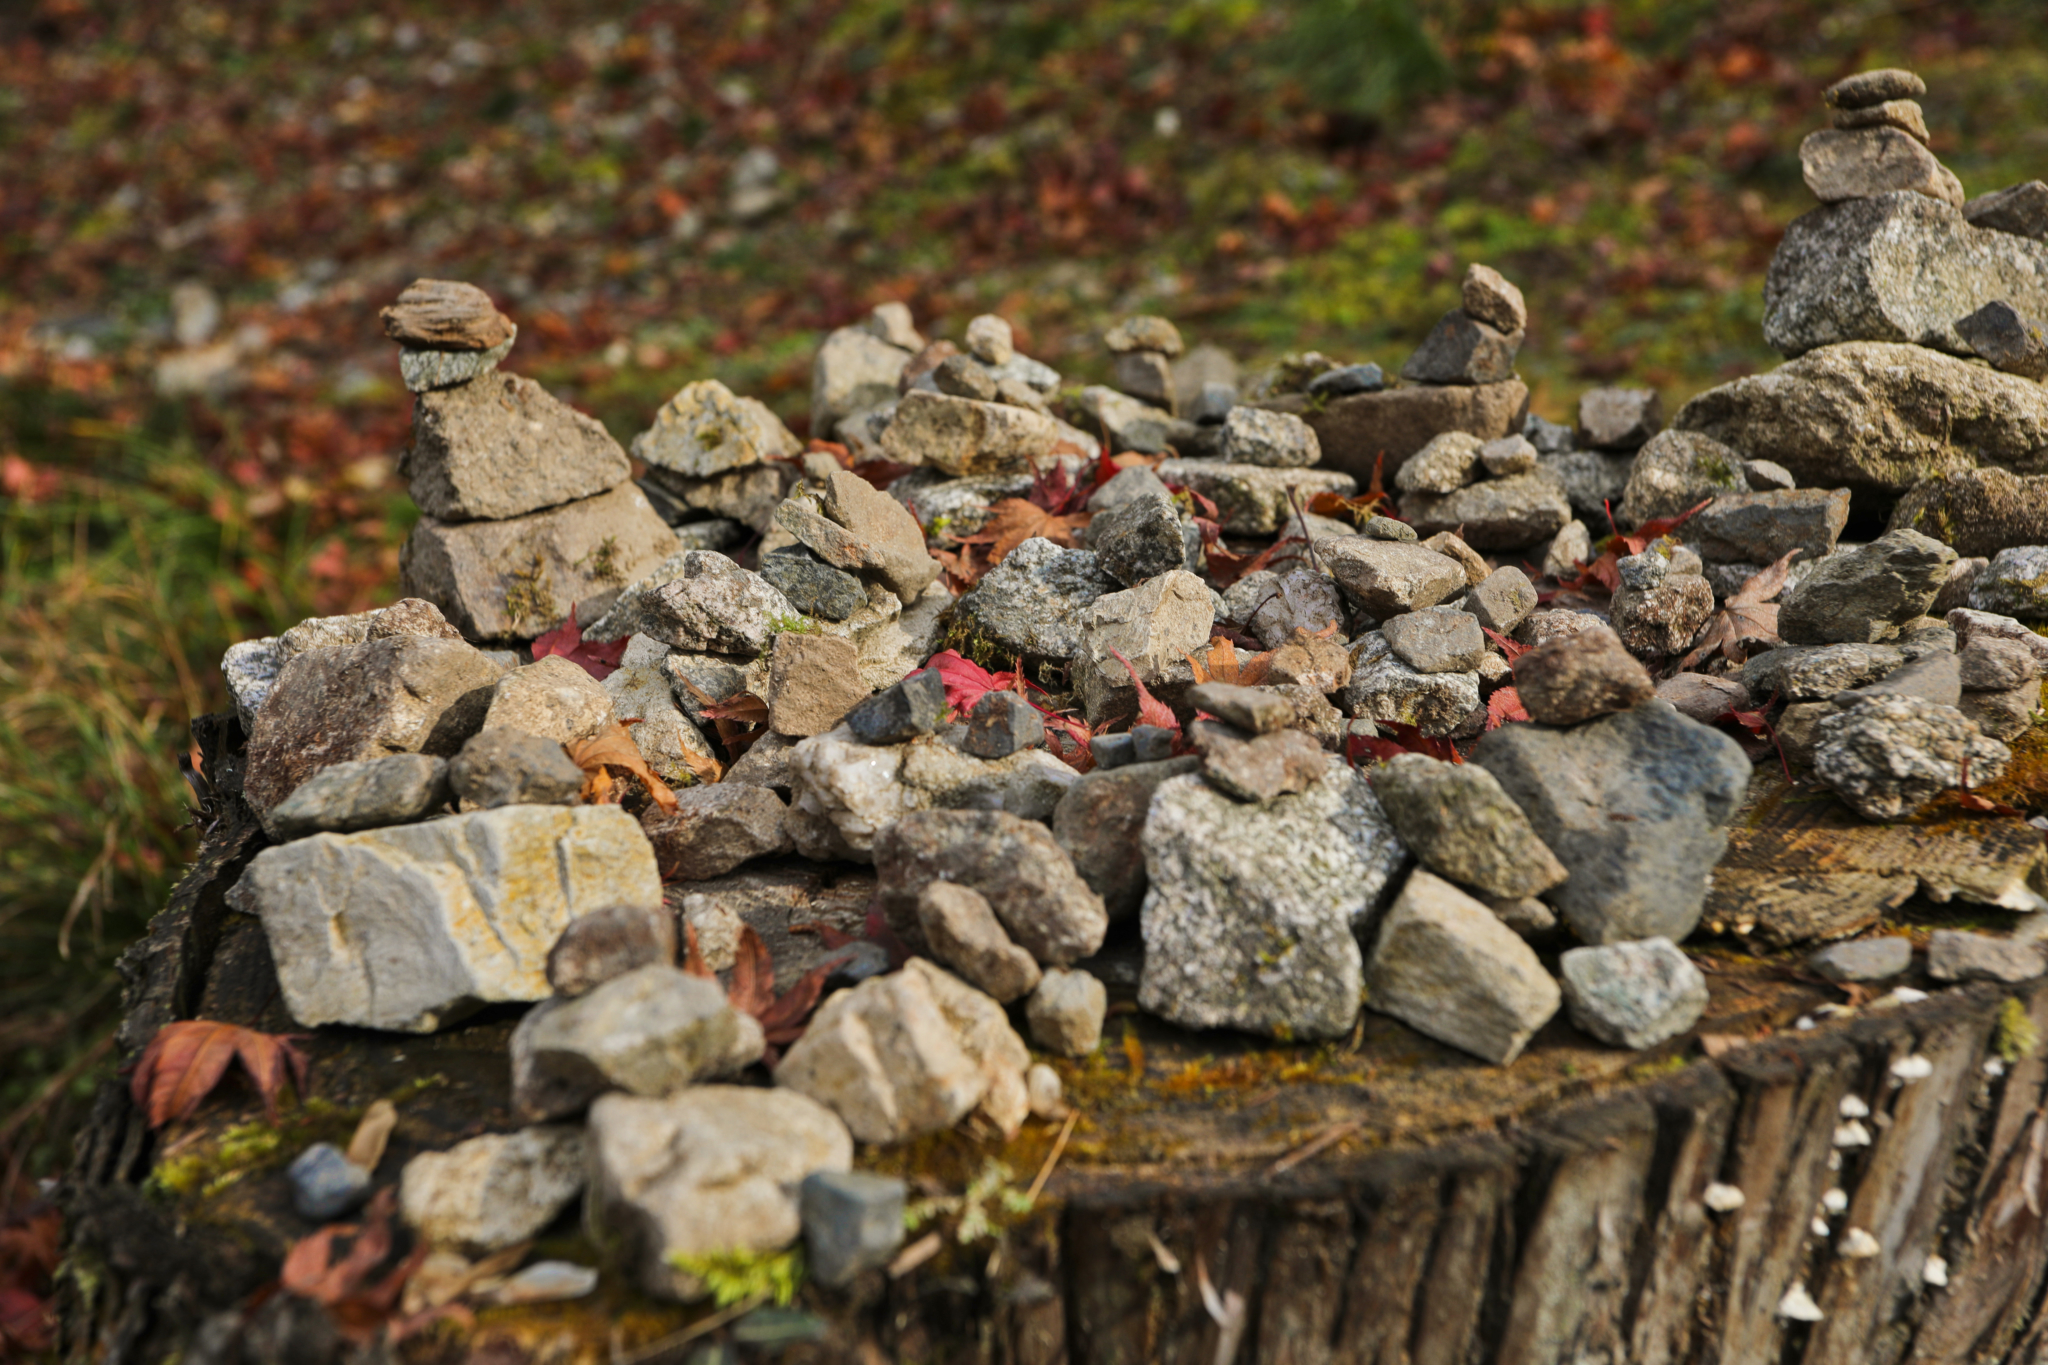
1223,740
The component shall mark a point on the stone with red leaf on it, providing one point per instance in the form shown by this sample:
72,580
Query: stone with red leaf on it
1141,636
1575,678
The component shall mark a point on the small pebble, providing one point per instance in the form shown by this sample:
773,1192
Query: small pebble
1113,751
1151,743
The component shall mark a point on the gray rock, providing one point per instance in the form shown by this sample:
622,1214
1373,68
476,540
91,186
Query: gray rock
1868,88
893,323
1663,619
1863,959
1703,697
1594,481
1026,877
1865,595
1273,440
1150,630
1137,540
744,498
812,586
1990,664
1508,455
963,437
711,1171
1905,115
1385,578
1446,464
517,578
405,694
2021,210
1569,548
987,338
1675,472
1436,640
853,1223
843,792
1035,373
1143,333
1549,438
852,371
1252,500
1767,476
1462,350
1887,756
1957,955
422,370
1817,673
610,942
1458,821
706,429
249,668
1619,419
713,604
1543,626
503,447
550,697
1136,484
1000,724
1066,1012
1099,819
1130,423
1979,512
494,1191
2010,340
1146,376
1487,296
1346,380
1250,916
1447,967
715,829
650,1031
961,931
901,711
1503,601
1573,678
1934,677
2014,584
1031,605
1495,514
1299,599
1385,689
1757,528
507,767
1632,804
1858,163
325,1183
1971,625
1260,767
961,376
1254,710
364,794
1632,995
1395,423
1113,751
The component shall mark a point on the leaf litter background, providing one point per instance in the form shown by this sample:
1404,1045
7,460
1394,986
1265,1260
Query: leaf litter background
700,190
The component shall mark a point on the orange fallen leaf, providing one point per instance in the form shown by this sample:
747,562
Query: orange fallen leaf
613,749
187,1059
1013,521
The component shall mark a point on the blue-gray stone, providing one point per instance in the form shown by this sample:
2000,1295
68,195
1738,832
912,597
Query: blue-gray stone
1348,379
852,1221
325,1183
901,711
1151,743
1000,724
1112,751
812,586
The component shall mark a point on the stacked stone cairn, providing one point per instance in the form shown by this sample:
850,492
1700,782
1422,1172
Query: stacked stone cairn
1566,758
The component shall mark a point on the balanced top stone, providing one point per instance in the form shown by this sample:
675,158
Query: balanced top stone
1866,88
446,315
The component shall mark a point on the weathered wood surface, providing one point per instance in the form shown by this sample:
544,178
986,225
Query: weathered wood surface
1452,1212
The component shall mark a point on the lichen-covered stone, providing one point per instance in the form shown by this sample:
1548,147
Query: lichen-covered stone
1887,756
2014,584
502,446
1458,821
707,429
1865,595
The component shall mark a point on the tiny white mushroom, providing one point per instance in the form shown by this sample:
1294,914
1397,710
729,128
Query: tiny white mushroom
1835,1200
1906,995
1994,1067
1834,1161
1853,1107
1798,1305
1857,1245
1722,1198
1819,1226
1935,1271
1913,1068
1852,1134
1804,1023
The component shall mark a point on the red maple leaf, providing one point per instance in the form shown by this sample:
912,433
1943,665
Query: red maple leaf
187,1059
1401,739
600,661
783,1016
1503,707
1151,710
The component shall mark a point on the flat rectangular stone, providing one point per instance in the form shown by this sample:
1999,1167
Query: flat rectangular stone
1354,430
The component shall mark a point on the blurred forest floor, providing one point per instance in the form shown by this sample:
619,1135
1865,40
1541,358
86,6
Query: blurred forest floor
701,191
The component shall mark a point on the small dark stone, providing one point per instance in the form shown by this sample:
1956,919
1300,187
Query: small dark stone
325,1183
506,767
610,942
1137,540
858,961
2007,338
1151,743
1113,751
901,711
1462,350
964,377
812,586
1348,379
853,1221
1000,724
2021,210
1549,438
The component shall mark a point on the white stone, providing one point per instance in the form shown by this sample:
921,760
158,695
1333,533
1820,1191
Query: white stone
492,1191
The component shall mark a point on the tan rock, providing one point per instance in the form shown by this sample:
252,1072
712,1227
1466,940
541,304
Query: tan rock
814,681
446,315
552,698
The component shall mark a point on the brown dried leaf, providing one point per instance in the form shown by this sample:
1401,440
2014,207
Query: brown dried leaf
187,1059
1764,584
613,749
1013,521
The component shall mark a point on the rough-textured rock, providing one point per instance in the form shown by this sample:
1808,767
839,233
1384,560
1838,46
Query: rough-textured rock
1001,723
2007,339
1138,539
1356,431
1254,710
900,712
1876,415
853,1223
1506,456
1757,528
514,579
1495,514
2021,210
1321,664
610,942
1261,767
1632,995
1990,664
844,791
1594,481
446,315
644,701
1619,419
1274,440
1462,350
1152,628
853,370
988,339
406,694
1905,115
492,1191
365,793
1031,605
1958,955
325,1183
506,767
1815,673
1300,599
1252,500
1864,959
1446,966
550,697
1487,296
1899,267
1130,423
1576,677
1026,877
1502,601
1143,332
1934,677
649,1031
910,1053
713,604
1632,804
878,536
706,429
964,437
1704,697
1978,511
1385,578
1662,616
1383,688
1887,756
1858,163
1568,549
1066,1011
414,926
1436,640
1458,821
716,828
501,447
1863,596
1446,464
814,680
961,931
2014,584
711,1171
1867,88
1098,822
1676,471
746,496
1250,916
812,586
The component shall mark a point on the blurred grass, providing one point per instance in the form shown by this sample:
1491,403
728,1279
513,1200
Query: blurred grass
1630,165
